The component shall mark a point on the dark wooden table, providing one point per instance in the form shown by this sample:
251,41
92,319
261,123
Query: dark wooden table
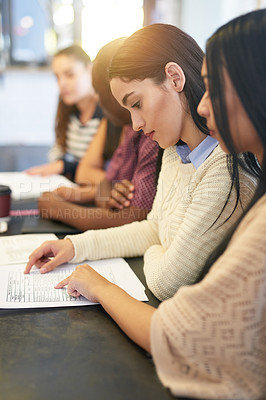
72,352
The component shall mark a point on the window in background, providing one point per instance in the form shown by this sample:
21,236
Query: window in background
29,24
105,20
63,15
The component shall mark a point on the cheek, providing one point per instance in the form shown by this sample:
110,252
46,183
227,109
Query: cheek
82,85
160,111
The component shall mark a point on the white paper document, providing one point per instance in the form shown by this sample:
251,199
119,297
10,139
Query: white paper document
15,249
26,186
36,290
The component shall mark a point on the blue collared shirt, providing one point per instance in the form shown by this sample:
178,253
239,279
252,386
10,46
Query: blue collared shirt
199,154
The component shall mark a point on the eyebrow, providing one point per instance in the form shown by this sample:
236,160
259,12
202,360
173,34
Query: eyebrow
124,100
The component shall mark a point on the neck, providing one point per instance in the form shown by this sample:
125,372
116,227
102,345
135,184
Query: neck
86,107
191,134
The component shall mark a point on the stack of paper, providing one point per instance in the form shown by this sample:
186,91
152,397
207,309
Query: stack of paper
16,249
26,186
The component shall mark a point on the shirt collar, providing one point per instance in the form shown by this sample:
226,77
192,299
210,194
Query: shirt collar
199,154
183,152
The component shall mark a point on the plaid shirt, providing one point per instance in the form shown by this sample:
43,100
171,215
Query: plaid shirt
135,159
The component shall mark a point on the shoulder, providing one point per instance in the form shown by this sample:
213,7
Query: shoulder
217,158
215,166
255,219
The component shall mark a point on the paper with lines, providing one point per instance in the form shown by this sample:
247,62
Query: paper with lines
36,290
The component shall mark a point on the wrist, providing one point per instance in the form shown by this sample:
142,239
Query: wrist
71,248
59,166
105,291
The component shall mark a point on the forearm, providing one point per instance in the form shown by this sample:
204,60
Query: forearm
85,218
103,193
129,240
133,316
90,175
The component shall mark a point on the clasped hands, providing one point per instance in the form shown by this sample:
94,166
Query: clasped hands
119,197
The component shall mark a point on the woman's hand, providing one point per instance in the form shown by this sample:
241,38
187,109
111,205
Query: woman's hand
121,195
55,167
85,281
49,204
50,254
133,316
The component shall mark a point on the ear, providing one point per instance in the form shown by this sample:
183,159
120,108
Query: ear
176,74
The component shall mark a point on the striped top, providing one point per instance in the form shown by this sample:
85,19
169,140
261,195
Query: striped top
78,137
208,341
182,228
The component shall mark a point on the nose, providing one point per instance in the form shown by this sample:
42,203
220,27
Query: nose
137,122
203,107
61,83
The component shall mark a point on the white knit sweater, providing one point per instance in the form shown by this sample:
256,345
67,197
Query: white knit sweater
177,235
209,341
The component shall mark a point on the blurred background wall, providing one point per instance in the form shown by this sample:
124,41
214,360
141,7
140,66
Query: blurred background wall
31,31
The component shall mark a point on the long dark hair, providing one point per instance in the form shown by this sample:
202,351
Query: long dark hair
239,48
117,115
145,54
63,110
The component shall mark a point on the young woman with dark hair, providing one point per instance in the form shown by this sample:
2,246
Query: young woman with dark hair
156,75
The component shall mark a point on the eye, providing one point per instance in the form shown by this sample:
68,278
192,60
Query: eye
136,105
69,74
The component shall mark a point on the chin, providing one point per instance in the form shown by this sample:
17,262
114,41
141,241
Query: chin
162,145
68,101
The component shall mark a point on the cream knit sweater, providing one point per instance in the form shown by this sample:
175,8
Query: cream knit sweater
209,341
177,235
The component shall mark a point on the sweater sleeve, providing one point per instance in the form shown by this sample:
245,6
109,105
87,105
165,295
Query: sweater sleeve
199,231
208,341
130,240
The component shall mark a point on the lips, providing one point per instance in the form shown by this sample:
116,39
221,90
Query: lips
149,134
211,131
